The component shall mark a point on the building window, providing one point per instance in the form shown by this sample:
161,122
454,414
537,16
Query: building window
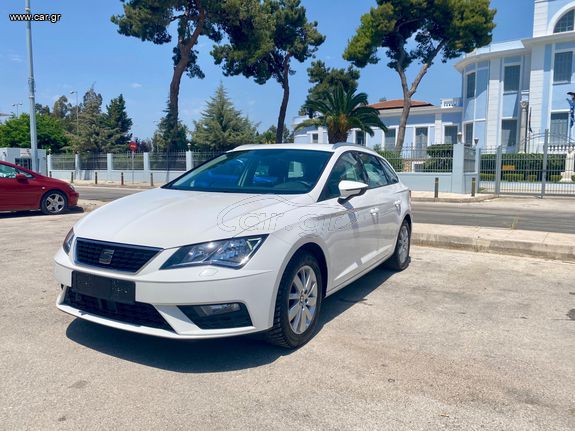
469,133
511,78
509,133
389,142
471,85
450,135
559,125
315,138
421,134
566,23
360,138
563,68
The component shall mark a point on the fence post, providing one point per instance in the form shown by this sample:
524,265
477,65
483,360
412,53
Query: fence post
77,166
147,165
109,165
95,177
498,161
121,178
49,162
478,167
72,177
458,169
544,167
473,186
189,160
151,179
436,188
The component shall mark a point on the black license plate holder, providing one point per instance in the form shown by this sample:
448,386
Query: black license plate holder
109,289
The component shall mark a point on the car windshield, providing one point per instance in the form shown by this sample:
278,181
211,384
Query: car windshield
278,171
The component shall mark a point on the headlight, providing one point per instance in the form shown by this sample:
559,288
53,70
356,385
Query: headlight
233,253
67,245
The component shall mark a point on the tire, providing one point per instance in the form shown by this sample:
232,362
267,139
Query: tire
295,332
400,259
54,202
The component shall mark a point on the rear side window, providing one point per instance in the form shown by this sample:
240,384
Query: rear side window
374,171
346,168
389,172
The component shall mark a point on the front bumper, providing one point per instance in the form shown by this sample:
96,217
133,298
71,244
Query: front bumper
166,290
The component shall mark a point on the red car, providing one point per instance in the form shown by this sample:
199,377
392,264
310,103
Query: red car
23,189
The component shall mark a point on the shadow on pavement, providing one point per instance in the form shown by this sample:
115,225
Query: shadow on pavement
37,213
209,356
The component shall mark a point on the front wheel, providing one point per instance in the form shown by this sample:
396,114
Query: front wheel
298,302
54,202
400,258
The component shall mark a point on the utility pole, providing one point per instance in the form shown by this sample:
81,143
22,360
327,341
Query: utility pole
31,90
77,113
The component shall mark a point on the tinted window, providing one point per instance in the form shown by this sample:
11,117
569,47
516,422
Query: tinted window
346,168
279,171
7,171
563,67
374,170
389,172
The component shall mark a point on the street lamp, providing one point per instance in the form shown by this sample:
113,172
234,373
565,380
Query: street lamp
16,106
77,110
31,92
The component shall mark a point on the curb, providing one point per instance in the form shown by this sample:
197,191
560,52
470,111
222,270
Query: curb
482,198
540,250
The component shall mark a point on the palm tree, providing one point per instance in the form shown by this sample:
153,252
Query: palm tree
341,111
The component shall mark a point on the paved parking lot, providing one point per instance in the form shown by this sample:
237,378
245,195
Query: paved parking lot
458,341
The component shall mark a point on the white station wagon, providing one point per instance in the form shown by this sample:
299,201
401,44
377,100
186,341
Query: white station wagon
251,241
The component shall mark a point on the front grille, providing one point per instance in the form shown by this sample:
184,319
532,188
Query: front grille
120,257
235,319
137,313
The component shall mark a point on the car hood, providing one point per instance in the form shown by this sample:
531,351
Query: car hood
171,218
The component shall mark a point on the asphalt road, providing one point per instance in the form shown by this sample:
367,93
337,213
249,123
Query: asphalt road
459,341
548,215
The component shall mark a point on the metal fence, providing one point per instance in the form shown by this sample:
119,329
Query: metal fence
435,158
93,162
549,172
168,161
63,162
203,156
128,161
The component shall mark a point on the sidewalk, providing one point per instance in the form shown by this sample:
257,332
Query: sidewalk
490,240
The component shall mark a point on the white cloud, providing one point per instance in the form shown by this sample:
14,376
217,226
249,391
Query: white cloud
16,58
136,85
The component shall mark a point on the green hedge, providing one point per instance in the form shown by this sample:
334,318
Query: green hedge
573,178
528,166
513,177
440,158
393,157
487,177
555,178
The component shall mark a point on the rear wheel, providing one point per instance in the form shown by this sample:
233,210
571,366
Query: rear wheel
54,202
298,302
400,258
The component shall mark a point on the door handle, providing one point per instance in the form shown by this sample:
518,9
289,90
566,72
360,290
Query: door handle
374,211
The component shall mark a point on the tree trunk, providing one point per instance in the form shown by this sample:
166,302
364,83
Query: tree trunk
285,100
403,122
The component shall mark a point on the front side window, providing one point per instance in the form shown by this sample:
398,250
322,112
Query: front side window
565,23
277,171
563,68
373,170
511,78
7,171
347,168
471,85
509,133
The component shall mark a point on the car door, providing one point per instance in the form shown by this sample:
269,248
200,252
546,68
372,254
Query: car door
17,195
352,231
384,203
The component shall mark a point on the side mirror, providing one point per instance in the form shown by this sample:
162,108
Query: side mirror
349,189
21,178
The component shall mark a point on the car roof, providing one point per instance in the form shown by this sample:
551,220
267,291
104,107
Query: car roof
332,148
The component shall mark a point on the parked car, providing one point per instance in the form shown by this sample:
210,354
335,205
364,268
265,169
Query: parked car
23,189
251,241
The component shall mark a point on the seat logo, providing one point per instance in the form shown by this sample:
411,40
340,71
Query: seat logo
106,256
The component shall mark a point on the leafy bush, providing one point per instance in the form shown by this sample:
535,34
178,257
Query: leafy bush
573,178
555,178
529,166
513,177
487,177
440,158
393,157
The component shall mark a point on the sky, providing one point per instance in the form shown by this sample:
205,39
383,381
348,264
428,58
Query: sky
84,49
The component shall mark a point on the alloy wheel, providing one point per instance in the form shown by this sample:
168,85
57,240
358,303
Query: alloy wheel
302,299
55,203
403,243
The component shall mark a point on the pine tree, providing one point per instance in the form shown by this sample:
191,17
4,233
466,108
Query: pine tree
222,127
94,135
119,124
